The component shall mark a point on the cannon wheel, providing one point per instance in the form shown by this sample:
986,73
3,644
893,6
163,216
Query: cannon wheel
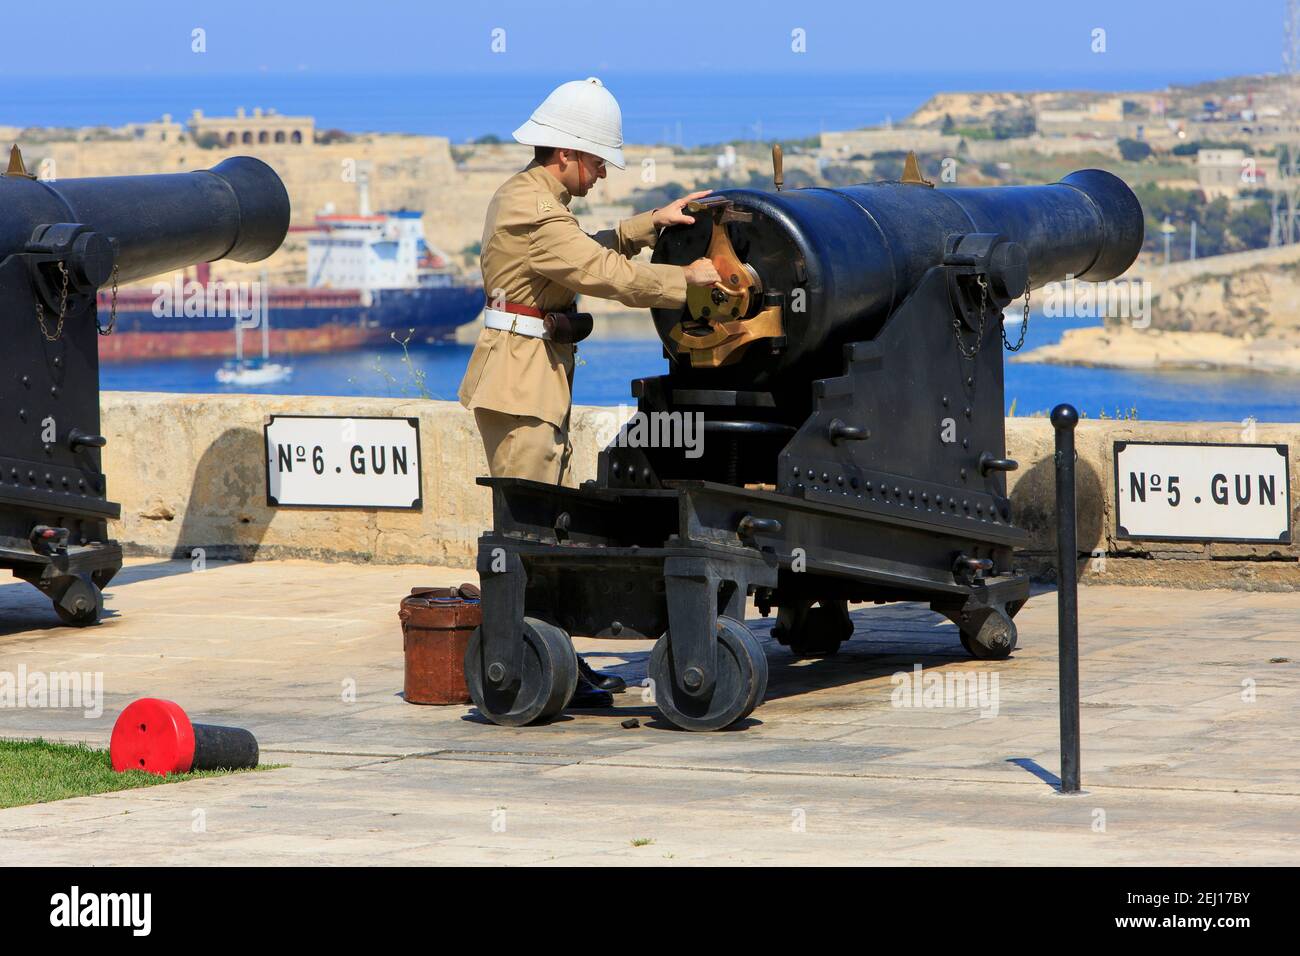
81,603
548,677
814,632
83,618
990,636
739,687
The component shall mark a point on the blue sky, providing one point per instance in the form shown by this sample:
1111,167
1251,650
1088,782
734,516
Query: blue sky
331,37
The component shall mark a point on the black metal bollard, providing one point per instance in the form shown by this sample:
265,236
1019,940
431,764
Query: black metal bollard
1064,418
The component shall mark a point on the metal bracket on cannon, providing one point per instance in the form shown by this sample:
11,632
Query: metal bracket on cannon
722,320
984,269
86,257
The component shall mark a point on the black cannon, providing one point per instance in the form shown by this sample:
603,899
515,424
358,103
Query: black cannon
60,242
846,381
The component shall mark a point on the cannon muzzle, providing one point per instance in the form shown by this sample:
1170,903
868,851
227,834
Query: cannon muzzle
146,225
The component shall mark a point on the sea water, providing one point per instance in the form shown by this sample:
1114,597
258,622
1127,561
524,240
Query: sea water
606,368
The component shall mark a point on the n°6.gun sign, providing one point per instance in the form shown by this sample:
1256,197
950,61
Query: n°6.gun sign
338,462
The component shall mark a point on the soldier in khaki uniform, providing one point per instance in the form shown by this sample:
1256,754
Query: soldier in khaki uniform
535,260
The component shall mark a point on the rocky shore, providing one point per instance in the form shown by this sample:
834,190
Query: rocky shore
1237,312
1159,349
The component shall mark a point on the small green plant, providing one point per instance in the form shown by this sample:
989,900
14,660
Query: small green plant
414,379
1121,415
642,841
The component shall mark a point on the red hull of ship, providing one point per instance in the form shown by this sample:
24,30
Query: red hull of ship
310,321
136,346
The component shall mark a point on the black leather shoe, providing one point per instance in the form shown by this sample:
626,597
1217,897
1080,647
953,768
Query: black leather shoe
610,682
589,697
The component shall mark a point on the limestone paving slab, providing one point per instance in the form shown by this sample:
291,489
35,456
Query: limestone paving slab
308,656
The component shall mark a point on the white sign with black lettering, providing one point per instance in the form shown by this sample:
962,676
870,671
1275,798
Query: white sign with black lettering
334,462
1182,491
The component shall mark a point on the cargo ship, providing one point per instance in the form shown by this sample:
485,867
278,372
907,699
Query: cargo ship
370,278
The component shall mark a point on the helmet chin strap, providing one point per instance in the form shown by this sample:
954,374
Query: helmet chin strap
581,185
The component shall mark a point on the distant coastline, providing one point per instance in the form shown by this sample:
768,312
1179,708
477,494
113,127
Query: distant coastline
1237,312
1162,350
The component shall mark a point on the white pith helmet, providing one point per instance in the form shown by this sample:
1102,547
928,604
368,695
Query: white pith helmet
580,114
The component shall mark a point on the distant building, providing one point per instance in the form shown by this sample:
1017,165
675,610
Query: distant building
1109,110
1103,117
262,128
163,131
1226,172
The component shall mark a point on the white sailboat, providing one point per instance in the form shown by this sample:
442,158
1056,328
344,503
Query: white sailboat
242,371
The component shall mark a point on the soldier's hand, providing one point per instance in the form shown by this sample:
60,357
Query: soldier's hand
702,272
672,215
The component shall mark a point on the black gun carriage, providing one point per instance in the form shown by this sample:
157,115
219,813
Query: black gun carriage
60,242
847,377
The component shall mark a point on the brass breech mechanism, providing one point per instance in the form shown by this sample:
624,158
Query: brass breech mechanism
728,316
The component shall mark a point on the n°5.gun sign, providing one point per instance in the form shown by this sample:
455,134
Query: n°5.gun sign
1188,491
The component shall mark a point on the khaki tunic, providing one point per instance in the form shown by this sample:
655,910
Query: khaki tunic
534,253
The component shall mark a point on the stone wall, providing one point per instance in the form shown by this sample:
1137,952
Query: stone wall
188,471
980,150
846,143
1030,441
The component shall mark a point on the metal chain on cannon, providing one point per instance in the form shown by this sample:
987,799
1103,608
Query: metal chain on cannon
112,312
63,310
971,353
1024,327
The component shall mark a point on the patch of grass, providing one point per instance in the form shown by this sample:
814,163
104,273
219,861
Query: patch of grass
38,771
642,841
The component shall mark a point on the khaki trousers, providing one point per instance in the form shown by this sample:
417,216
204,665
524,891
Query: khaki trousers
520,446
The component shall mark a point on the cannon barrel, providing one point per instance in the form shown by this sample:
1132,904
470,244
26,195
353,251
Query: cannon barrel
854,254
60,242
237,210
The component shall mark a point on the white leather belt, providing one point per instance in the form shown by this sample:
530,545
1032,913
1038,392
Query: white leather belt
519,324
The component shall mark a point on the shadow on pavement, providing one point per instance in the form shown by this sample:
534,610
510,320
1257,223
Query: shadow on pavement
1025,763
